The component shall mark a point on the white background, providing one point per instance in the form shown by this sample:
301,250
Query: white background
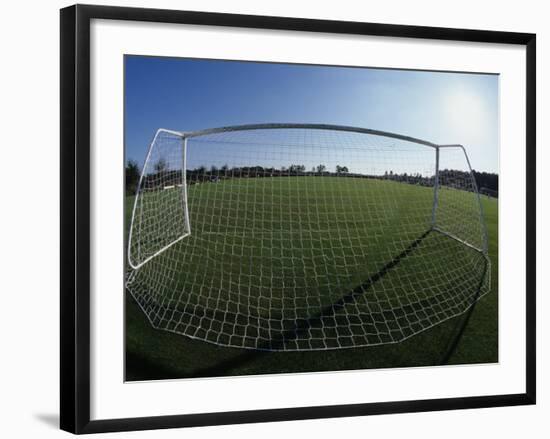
29,224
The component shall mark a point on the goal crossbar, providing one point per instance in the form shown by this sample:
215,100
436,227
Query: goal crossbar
311,126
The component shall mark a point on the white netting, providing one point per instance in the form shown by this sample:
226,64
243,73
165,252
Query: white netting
159,217
301,238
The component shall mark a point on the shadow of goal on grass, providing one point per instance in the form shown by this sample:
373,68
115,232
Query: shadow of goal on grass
462,324
300,329
317,320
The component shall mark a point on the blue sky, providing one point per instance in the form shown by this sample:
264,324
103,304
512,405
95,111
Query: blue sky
186,94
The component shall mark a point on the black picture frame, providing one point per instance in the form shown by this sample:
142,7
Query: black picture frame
75,217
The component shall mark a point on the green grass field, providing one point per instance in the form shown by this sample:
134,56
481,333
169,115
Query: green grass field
314,234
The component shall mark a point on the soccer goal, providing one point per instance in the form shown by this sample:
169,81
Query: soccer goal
304,237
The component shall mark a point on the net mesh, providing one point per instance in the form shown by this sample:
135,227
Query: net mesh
302,239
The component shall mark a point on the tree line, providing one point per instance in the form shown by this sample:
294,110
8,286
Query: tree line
487,180
161,174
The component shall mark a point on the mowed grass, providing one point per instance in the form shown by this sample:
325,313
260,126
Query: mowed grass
300,233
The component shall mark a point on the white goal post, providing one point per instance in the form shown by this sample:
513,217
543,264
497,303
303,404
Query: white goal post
304,236
164,169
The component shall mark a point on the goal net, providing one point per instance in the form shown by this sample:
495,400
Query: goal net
303,237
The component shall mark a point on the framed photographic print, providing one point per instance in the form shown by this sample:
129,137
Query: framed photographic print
305,218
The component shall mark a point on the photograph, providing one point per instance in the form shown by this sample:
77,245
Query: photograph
295,218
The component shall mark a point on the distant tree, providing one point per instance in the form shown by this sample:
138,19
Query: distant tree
132,177
295,169
225,168
321,168
341,169
487,180
160,166
213,169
